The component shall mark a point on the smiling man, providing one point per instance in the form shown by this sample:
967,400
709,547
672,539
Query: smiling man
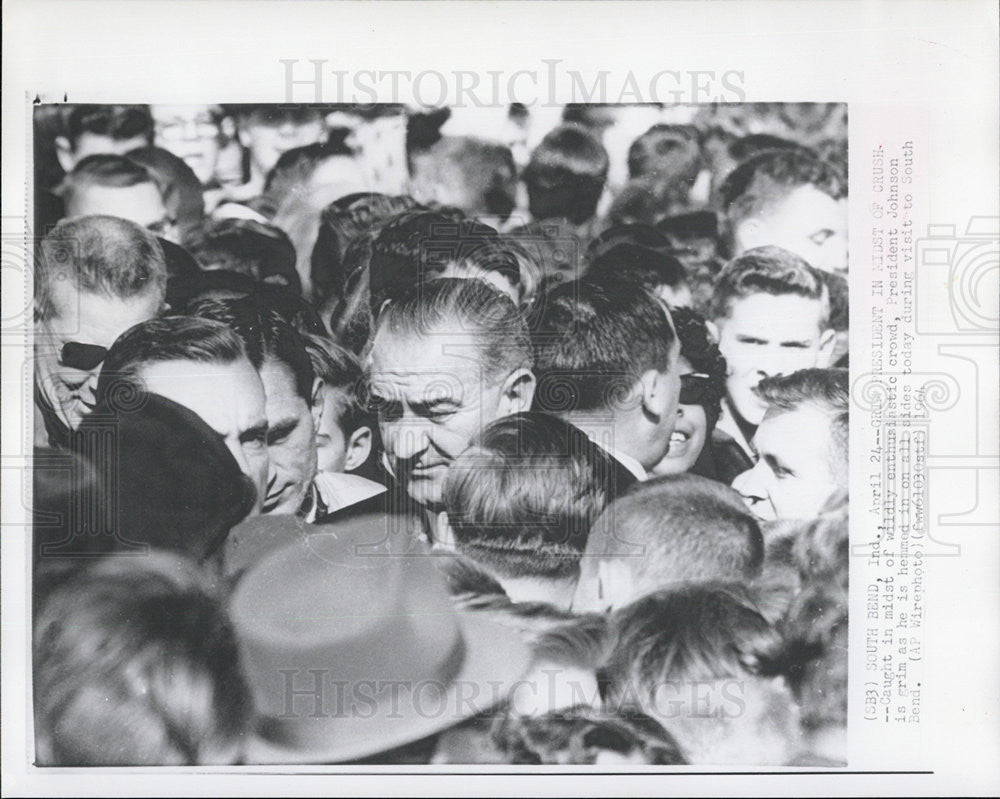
802,443
95,277
446,359
771,314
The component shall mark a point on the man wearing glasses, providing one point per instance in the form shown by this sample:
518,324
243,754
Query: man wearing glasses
95,277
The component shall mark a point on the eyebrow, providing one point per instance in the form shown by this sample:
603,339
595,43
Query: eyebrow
429,406
254,431
796,343
281,429
776,464
749,339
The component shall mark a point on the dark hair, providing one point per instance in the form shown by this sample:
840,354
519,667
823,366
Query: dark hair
102,255
677,528
701,351
758,181
522,498
828,390
342,222
169,338
576,735
119,122
669,152
689,633
456,304
747,146
265,336
566,174
638,234
340,370
651,268
768,270
594,338
419,246
263,252
136,664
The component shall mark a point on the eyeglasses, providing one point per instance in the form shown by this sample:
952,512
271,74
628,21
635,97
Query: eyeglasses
85,357
177,129
694,388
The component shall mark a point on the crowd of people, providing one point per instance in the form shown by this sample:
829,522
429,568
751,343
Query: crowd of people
391,435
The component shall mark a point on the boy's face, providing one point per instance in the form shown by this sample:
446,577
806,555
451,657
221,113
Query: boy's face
796,473
331,443
807,222
766,335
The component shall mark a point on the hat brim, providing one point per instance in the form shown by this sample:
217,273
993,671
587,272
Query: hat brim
495,658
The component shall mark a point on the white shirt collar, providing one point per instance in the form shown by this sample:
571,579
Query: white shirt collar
625,460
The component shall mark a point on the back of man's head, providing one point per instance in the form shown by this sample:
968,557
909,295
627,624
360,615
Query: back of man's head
522,498
136,664
594,339
672,529
100,255
263,252
105,170
566,175
168,338
457,305
116,122
476,176
767,270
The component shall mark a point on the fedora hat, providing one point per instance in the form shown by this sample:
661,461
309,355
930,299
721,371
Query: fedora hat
351,646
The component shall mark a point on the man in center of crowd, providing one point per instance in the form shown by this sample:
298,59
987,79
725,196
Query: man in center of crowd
446,359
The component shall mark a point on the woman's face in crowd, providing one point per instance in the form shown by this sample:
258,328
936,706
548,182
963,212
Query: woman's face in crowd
690,432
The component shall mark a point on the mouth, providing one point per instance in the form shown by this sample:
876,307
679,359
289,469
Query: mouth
679,441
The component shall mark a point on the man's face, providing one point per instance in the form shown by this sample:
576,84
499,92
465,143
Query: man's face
766,335
291,440
140,203
807,222
85,318
190,132
331,443
229,398
432,397
268,136
691,428
796,473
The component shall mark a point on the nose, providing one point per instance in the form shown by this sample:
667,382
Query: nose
749,484
406,440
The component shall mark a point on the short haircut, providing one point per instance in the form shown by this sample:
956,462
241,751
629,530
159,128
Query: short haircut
341,371
265,335
120,122
455,304
750,145
342,222
566,174
294,168
593,339
678,528
169,338
576,735
263,252
639,264
701,351
826,389
522,498
638,234
768,270
763,180
688,633
670,156
483,171
137,664
111,171
100,255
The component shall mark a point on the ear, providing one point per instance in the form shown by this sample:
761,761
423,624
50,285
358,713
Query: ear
713,330
359,446
64,152
654,389
517,392
747,234
827,344
316,402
